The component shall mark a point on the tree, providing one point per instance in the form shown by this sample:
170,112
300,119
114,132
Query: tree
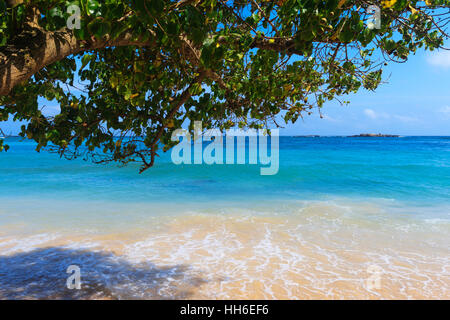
136,70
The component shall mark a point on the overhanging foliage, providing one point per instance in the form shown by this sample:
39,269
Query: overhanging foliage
139,69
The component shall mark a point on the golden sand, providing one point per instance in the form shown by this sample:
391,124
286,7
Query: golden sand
311,255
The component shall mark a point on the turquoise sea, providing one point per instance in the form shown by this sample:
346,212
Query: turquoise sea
340,212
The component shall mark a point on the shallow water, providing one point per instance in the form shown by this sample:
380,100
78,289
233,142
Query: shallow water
343,218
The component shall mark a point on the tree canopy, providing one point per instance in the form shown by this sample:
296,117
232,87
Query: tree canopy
133,71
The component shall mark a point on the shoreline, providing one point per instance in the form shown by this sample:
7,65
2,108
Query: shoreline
319,253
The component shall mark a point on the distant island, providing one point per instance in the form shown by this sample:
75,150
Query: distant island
362,135
374,135
308,136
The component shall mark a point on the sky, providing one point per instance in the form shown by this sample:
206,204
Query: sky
414,101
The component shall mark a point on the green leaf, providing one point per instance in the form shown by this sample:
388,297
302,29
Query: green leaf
196,89
93,7
99,27
85,60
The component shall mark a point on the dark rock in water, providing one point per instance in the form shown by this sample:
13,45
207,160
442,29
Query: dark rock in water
374,135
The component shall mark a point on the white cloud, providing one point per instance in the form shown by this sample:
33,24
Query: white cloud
375,115
328,118
383,115
370,113
445,111
439,59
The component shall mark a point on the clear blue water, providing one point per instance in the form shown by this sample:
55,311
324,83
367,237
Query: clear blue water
412,169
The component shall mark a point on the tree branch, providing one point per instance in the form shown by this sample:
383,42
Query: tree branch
180,101
36,48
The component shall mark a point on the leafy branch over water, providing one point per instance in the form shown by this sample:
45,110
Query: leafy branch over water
3,146
140,69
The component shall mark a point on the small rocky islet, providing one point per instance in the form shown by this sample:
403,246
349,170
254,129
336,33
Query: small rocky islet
374,135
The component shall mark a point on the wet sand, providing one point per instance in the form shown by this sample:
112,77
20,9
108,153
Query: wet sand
322,252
